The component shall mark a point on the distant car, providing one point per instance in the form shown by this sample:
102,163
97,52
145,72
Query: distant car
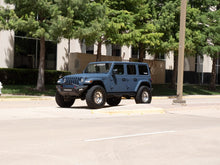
106,81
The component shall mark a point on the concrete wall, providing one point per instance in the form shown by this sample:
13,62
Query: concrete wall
169,58
6,44
78,61
126,53
62,52
207,64
157,68
189,64
2,3
6,49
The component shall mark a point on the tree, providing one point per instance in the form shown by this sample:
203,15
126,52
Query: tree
43,19
107,23
93,30
72,14
169,21
140,30
36,19
145,35
211,22
210,27
7,17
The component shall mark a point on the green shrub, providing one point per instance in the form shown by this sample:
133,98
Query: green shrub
13,76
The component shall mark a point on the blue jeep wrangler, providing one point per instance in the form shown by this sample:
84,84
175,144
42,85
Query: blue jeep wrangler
106,81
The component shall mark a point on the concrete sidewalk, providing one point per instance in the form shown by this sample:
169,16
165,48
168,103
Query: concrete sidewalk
159,105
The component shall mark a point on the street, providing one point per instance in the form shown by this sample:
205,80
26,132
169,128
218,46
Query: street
36,131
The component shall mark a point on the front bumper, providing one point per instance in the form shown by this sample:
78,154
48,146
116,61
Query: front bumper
73,90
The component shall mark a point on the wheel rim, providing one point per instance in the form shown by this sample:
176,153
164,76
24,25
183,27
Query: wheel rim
98,97
145,96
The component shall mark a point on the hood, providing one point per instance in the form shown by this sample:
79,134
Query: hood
86,75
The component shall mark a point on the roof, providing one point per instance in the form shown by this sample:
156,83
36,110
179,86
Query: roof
119,62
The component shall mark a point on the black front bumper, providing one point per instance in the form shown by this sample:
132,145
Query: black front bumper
74,90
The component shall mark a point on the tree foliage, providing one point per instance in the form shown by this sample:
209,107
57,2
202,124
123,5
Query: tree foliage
210,22
149,25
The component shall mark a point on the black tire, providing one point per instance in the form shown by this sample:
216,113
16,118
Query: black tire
143,95
96,97
113,101
63,103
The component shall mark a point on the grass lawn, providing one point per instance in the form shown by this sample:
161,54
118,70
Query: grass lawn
188,89
158,90
28,90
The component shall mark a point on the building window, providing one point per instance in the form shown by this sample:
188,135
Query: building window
161,56
116,50
27,52
90,49
134,52
199,64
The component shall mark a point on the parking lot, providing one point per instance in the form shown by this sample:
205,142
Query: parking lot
37,131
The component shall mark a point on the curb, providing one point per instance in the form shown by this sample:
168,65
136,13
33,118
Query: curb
24,98
129,112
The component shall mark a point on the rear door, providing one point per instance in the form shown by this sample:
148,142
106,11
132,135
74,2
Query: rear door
131,78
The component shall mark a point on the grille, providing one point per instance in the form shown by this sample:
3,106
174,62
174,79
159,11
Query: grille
72,80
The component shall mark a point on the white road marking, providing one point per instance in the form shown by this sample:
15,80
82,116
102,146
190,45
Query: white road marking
126,136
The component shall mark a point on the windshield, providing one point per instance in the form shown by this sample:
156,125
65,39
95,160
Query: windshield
98,68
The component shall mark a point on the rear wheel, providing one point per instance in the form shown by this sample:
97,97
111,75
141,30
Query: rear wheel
144,95
114,101
96,97
63,102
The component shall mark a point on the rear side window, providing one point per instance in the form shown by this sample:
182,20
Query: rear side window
143,69
118,69
131,69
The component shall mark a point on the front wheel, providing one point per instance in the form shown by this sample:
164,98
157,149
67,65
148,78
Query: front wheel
96,97
62,102
144,95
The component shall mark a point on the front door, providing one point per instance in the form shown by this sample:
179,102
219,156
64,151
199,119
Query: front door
118,79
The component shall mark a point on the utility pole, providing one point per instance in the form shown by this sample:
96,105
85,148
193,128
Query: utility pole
181,53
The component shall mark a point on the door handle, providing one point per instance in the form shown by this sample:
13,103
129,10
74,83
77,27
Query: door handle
135,79
123,79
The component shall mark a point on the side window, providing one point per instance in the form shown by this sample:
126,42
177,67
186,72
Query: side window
143,69
118,69
131,69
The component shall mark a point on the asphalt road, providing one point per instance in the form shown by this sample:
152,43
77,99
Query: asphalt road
36,131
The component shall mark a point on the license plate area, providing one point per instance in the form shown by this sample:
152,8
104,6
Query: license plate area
67,90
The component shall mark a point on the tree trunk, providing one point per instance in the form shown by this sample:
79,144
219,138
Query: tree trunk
40,81
99,50
141,52
212,85
174,73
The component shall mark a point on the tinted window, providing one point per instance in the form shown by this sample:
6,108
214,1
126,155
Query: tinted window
118,69
131,69
143,69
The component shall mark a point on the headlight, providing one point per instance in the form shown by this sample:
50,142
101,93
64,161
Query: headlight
81,80
59,81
